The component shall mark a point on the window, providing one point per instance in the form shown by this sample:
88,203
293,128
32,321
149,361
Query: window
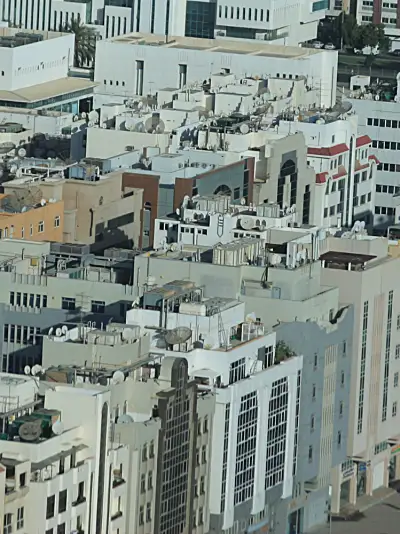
31,229
57,221
394,409
148,512
312,423
81,490
141,515
314,391
200,522
61,529
20,518
204,454
41,227
341,409
51,501
397,352
22,480
98,306
44,301
236,193
396,380
150,480
62,501
310,453
315,361
144,453
205,425
68,303
12,298
151,449
143,483
398,322
339,438
342,378
7,524
202,486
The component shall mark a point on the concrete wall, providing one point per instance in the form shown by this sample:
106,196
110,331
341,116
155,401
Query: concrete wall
313,341
36,63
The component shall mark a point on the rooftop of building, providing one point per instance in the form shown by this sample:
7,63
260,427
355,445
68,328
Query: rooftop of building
14,37
364,88
225,46
44,91
11,204
64,260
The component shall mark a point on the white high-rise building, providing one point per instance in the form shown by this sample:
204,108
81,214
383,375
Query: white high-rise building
293,23
256,386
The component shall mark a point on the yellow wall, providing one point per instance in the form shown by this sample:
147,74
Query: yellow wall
25,225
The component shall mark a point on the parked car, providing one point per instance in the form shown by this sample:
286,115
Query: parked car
330,46
318,44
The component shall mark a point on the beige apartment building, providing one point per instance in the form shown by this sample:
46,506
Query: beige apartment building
98,212
366,273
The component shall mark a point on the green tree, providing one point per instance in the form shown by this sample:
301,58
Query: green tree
372,35
85,42
348,26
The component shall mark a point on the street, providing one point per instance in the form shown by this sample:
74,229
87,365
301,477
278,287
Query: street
383,518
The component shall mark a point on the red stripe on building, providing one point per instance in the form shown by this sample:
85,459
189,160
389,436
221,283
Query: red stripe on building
341,172
374,158
363,140
320,178
327,151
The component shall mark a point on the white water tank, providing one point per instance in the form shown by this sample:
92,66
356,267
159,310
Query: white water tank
193,308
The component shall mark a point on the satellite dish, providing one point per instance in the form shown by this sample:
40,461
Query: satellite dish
118,377
275,259
178,335
244,128
125,419
64,329
154,125
130,124
58,332
36,369
128,334
22,152
93,116
83,115
58,428
246,223
90,124
251,318
43,202
50,332
30,431
27,370
242,201
139,127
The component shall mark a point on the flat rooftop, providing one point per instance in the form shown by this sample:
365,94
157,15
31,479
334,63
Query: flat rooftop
28,35
43,91
223,46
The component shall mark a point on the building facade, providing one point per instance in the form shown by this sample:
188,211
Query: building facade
177,17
